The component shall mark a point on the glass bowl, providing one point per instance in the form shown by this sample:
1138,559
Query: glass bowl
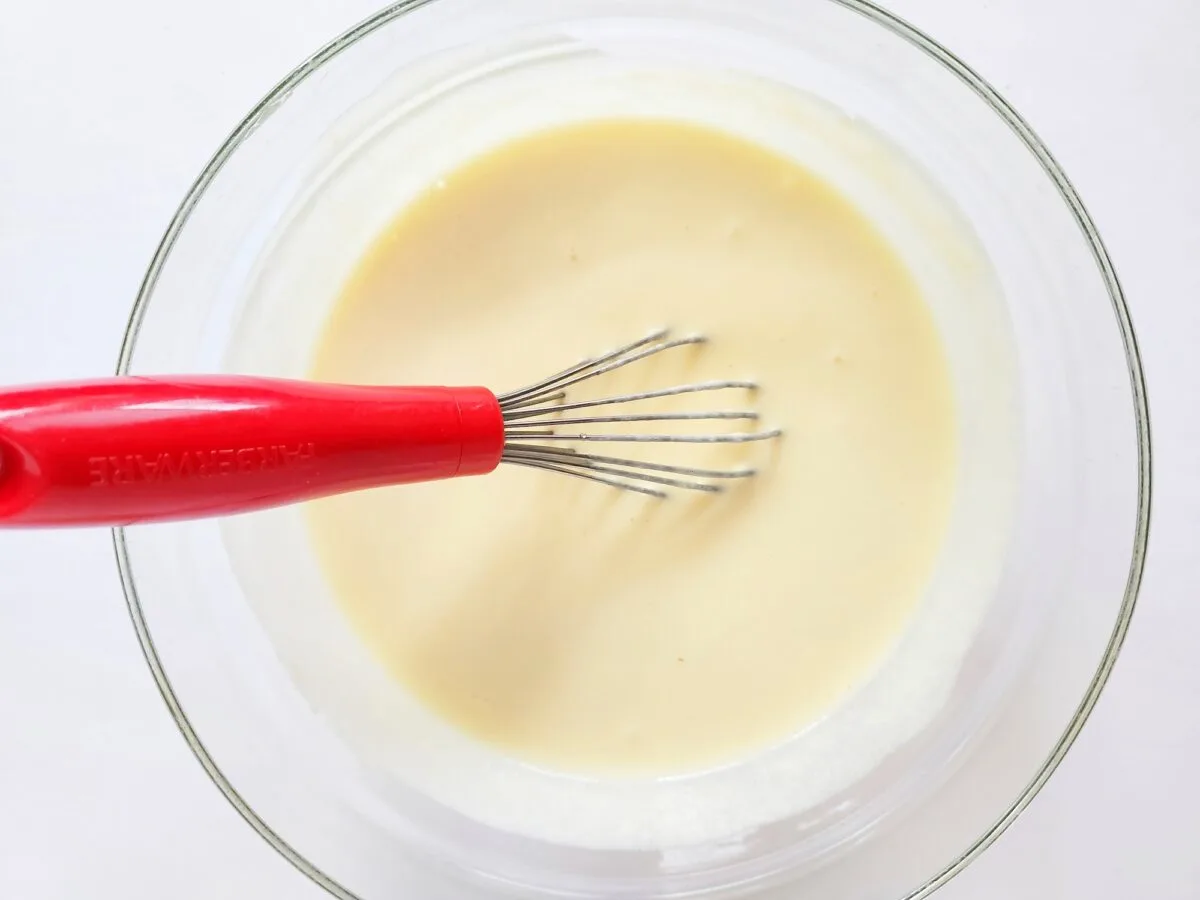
252,658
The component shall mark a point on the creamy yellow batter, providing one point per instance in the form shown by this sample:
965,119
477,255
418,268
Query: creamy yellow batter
590,630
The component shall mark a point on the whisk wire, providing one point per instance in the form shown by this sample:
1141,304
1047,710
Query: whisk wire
518,410
536,412
604,365
642,417
571,457
733,438
580,473
551,382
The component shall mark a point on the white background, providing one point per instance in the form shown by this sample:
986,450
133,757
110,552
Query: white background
109,110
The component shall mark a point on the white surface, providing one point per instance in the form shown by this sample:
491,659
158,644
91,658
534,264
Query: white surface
106,114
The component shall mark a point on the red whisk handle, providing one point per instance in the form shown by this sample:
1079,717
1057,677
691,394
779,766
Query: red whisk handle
120,451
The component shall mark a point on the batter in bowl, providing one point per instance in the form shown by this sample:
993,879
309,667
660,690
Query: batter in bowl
589,631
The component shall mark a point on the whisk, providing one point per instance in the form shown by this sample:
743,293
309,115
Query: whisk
126,450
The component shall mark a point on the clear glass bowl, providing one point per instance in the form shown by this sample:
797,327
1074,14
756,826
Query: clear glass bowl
233,287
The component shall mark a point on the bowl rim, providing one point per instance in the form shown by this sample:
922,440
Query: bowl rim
1016,124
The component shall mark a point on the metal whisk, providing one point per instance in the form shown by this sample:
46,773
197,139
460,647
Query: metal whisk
119,451
530,412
